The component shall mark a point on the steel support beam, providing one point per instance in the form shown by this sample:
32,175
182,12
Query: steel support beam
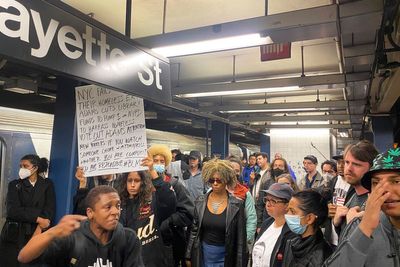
257,118
341,104
333,79
322,20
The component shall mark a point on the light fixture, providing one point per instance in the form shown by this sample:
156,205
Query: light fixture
298,122
271,110
215,45
244,91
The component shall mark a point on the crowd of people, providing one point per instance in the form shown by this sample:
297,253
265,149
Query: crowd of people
186,210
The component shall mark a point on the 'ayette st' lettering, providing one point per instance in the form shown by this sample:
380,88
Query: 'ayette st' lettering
71,43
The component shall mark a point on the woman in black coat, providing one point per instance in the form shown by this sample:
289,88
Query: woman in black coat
30,207
307,211
146,202
218,234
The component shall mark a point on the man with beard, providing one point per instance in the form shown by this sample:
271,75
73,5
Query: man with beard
358,159
374,239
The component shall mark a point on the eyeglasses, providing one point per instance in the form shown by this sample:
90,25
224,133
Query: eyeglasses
273,202
211,181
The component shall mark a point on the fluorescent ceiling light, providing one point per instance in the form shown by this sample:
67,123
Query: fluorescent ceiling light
244,91
298,122
270,110
215,45
19,90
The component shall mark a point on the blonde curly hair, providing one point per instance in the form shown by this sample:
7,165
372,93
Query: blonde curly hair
162,150
222,167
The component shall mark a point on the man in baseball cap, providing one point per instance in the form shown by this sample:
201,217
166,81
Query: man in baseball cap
373,240
194,183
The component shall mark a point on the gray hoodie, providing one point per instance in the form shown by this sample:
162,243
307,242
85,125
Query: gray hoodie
356,249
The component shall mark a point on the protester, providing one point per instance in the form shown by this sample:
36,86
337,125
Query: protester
241,192
144,210
313,179
307,211
30,205
358,160
218,236
98,241
86,184
286,178
269,247
182,218
374,239
250,169
194,183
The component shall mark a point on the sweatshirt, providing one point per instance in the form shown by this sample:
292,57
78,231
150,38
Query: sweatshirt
83,249
357,249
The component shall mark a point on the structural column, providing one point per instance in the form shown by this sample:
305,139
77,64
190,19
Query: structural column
383,132
265,144
220,135
63,157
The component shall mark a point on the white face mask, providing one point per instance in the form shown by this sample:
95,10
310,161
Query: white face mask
24,173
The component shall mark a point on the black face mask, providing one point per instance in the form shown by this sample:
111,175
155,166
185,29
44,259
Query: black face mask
276,172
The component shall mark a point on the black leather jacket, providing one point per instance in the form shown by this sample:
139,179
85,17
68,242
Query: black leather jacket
235,234
306,252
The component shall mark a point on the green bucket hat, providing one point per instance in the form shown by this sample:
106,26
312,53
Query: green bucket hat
389,160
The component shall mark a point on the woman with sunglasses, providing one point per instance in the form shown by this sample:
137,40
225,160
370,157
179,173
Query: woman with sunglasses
269,247
218,234
307,211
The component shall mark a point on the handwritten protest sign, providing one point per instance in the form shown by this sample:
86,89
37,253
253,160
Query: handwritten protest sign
111,131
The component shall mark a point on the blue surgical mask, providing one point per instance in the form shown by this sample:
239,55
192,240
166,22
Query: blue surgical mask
293,221
159,168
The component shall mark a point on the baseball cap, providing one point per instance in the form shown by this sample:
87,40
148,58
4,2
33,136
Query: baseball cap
283,191
387,161
337,157
312,158
195,154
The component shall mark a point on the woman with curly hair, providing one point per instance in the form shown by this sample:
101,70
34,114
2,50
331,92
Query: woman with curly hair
146,201
218,234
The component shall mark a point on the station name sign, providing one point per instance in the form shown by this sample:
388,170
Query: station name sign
49,36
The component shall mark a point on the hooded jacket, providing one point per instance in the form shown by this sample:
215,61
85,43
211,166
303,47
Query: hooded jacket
382,249
146,221
82,249
307,252
235,233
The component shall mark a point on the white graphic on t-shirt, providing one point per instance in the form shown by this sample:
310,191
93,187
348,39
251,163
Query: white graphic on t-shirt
99,263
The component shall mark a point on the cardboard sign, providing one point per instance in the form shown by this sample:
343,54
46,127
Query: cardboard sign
111,131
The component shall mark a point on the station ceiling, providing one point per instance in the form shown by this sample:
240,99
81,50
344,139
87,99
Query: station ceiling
326,83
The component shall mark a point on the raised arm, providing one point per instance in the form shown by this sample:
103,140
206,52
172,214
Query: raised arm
38,243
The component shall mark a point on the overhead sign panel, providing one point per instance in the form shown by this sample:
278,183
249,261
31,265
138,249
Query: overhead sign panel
50,35
275,51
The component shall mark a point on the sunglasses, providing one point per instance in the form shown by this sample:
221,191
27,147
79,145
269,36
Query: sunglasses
273,202
211,181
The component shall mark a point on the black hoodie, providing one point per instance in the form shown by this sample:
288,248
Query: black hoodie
83,249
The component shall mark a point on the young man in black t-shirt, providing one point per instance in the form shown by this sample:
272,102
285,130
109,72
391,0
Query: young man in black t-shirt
98,241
